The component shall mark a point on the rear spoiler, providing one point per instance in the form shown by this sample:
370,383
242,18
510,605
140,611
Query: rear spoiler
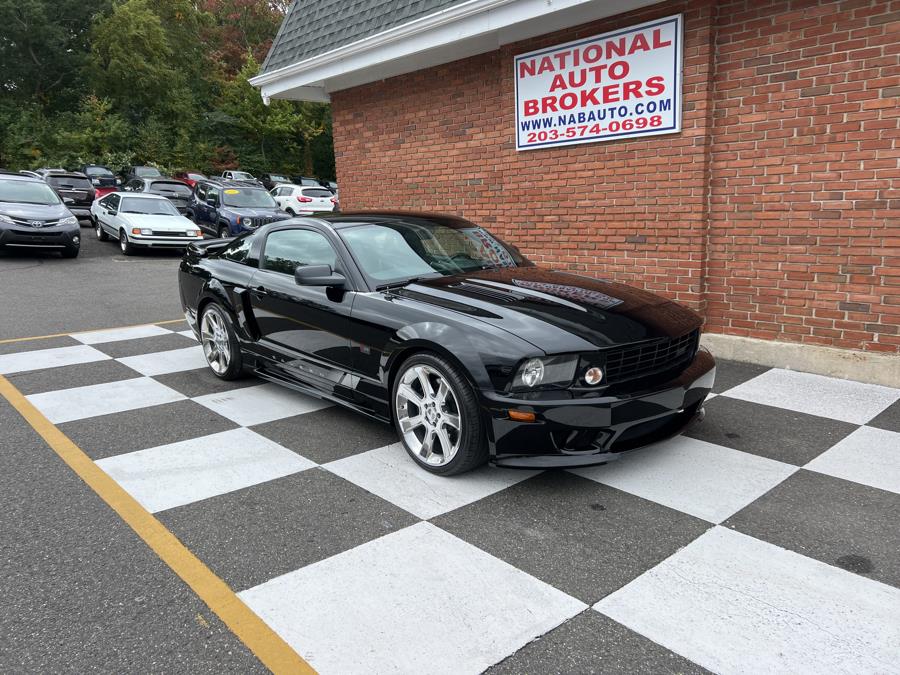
201,249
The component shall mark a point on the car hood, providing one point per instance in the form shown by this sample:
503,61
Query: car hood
176,223
555,311
34,211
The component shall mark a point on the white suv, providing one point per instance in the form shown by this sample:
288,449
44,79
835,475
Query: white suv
303,200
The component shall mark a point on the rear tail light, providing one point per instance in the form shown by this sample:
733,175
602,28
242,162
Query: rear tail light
334,200
304,199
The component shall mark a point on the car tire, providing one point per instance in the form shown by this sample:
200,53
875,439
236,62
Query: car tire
290,212
101,233
126,246
71,251
221,348
223,232
448,419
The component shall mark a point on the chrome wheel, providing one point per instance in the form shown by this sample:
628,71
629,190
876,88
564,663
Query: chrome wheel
428,415
214,338
123,242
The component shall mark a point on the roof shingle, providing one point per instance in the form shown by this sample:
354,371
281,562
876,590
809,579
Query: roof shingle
313,27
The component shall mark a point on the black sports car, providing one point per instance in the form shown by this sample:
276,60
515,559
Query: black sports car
436,325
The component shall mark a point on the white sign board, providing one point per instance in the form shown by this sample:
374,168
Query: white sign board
622,84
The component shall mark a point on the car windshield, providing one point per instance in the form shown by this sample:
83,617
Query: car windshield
390,252
27,192
150,207
146,172
169,187
278,178
69,182
241,175
195,176
97,171
248,197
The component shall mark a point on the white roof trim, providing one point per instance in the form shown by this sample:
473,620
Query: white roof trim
466,29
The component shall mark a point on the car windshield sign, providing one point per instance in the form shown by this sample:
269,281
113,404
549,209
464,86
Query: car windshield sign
397,251
27,192
248,197
150,207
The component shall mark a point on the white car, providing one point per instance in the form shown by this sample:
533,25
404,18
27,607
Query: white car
139,220
303,200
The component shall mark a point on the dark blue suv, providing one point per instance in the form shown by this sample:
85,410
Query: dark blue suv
225,208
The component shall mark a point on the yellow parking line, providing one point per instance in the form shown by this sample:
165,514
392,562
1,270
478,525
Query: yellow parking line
92,330
268,647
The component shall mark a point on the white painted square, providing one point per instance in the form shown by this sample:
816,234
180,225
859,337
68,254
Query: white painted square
735,604
188,471
837,399
188,334
171,361
869,456
96,337
39,359
260,404
390,473
700,478
66,405
414,601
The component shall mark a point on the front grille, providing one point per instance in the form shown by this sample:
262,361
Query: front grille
29,223
633,361
164,233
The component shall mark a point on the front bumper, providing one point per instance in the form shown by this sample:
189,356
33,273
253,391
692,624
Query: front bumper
162,242
45,237
585,431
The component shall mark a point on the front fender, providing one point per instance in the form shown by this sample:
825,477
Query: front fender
487,360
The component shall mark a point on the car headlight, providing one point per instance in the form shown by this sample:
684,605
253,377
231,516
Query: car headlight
6,219
549,371
247,222
69,220
95,181
194,233
146,231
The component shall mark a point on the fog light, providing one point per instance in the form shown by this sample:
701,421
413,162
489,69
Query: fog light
521,416
593,375
75,239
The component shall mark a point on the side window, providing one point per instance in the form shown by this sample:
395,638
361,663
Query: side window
113,202
286,250
238,250
201,192
213,192
104,202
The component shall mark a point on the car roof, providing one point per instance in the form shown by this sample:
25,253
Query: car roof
139,195
343,220
21,177
65,174
230,182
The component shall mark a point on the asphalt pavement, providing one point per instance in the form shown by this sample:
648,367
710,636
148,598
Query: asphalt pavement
44,293
81,592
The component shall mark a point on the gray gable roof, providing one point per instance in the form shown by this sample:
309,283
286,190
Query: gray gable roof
313,27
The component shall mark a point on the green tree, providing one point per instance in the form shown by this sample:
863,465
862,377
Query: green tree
132,59
44,46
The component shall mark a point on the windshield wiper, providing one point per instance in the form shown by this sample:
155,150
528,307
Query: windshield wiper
399,284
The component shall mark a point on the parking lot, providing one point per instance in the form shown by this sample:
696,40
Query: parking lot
765,539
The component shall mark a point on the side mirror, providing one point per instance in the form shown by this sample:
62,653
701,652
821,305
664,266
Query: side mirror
212,201
318,275
112,212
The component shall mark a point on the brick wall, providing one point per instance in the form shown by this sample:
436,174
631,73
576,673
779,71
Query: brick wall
774,212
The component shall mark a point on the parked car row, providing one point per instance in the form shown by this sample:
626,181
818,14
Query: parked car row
166,212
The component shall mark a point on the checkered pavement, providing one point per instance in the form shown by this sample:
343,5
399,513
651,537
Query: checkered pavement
764,539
